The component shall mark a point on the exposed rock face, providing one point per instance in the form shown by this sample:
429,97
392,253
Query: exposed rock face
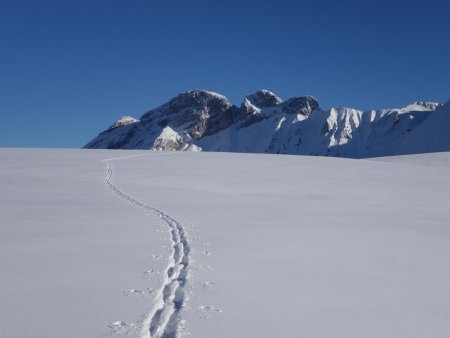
197,112
199,119
300,105
425,105
263,98
248,114
429,105
192,115
263,104
169,140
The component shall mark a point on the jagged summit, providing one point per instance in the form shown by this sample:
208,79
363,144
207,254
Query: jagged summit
195,101
197,112
300,105
203,120
263,98
424,105
263,104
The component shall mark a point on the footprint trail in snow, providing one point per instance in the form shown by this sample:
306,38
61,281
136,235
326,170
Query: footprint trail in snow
163,320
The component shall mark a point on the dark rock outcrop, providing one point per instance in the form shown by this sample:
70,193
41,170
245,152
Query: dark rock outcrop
197,112
300,105
263,98
201,120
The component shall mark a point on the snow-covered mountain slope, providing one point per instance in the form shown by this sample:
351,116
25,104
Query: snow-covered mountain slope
188,116
96,243
265,124
433,131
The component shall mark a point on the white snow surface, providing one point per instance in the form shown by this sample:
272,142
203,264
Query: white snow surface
278,246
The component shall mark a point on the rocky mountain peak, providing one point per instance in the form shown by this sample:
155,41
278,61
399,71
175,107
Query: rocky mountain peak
200,119
196,101
263,98
123,121
300,105
429,105
200,98
248,107
197,112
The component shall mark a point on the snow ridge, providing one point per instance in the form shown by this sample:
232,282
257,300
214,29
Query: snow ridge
202,120
164,318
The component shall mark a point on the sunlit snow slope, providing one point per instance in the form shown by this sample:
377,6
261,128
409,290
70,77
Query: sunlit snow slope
264,123
278,246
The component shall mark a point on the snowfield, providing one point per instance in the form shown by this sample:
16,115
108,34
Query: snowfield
109,243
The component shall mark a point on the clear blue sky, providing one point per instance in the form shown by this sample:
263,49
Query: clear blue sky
69,68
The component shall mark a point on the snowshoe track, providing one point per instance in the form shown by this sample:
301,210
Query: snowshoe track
164,318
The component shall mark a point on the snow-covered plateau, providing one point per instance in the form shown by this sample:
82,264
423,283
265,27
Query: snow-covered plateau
115,243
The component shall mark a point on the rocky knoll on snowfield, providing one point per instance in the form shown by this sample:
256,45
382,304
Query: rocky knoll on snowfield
264,123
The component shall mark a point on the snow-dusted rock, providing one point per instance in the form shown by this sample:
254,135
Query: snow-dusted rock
168,140
300,105
248,114
123,121
265,123
194,114
423,105
263,98
197,112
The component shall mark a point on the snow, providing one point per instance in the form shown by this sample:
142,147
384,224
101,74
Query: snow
123,121
262,98
266,124
429,160
192,147
250,107
169,133
421,106
343,132
209,92
279,246
69,249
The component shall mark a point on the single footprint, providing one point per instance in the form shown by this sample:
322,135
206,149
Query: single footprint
201,267
118,324
120,327
157,257
204,312
208,285
133,292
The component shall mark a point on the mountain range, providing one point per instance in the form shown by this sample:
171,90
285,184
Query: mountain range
201,120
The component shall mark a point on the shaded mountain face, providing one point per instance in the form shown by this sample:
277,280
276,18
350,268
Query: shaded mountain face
202,120
190,115
196,112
